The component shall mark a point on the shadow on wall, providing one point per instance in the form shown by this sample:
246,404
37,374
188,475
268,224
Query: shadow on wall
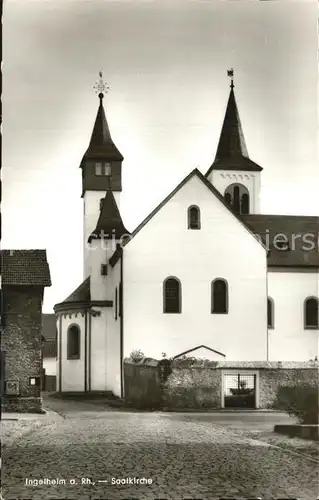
181,383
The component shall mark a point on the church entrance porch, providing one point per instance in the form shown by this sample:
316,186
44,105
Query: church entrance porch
239,390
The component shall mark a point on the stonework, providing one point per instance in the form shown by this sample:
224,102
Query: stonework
21,342
271,379
196,384
193,456
193,388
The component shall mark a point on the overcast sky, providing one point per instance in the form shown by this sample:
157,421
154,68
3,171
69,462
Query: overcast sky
166,64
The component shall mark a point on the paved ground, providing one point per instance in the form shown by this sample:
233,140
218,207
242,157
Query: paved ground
184,455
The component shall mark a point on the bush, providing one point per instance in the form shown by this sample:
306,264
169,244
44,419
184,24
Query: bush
193,362
137,355
300,401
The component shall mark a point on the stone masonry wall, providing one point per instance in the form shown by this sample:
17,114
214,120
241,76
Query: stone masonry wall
198,385
142,384
21,341
193,388
271,379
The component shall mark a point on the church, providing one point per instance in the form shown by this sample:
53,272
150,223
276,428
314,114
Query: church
205,274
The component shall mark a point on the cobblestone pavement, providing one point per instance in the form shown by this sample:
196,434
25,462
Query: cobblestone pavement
183,458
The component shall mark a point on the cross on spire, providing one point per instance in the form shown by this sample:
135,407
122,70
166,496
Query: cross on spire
230,73
101,86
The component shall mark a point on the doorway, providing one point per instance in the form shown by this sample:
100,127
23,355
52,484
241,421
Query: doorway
239,391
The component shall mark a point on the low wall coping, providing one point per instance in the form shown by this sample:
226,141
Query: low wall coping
268,364
142,362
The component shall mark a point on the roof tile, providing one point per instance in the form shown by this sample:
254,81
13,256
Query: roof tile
301,232
49,326
25,267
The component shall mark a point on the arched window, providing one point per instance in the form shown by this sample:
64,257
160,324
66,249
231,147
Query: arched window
270,312
73,342
219,295
193,214
172,295
311,313
237,196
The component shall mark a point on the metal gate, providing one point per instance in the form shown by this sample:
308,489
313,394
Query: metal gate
240,391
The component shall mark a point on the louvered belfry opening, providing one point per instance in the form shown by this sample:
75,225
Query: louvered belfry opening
237,197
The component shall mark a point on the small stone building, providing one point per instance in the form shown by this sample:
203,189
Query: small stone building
24,275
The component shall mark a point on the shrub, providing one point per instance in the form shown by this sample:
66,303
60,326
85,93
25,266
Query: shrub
300,401
192,361
137,355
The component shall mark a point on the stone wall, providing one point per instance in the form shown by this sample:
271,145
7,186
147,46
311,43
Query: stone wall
193,388
142,383
271,379
21,342
197,384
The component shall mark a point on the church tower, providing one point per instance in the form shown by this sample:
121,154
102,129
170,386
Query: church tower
101,171
233,173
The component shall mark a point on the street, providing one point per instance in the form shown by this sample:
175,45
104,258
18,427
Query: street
91,453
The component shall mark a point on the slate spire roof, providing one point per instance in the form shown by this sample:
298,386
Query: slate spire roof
232,153
101,145
81,294
231,142
109,224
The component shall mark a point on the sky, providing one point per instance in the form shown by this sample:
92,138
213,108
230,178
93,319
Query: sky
166,64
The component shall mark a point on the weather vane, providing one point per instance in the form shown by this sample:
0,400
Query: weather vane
230,73
101,86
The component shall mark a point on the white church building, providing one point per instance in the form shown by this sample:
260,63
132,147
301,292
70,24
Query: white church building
204,274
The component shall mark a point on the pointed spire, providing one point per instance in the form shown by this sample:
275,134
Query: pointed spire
109,224
101,144
231,141
232,151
